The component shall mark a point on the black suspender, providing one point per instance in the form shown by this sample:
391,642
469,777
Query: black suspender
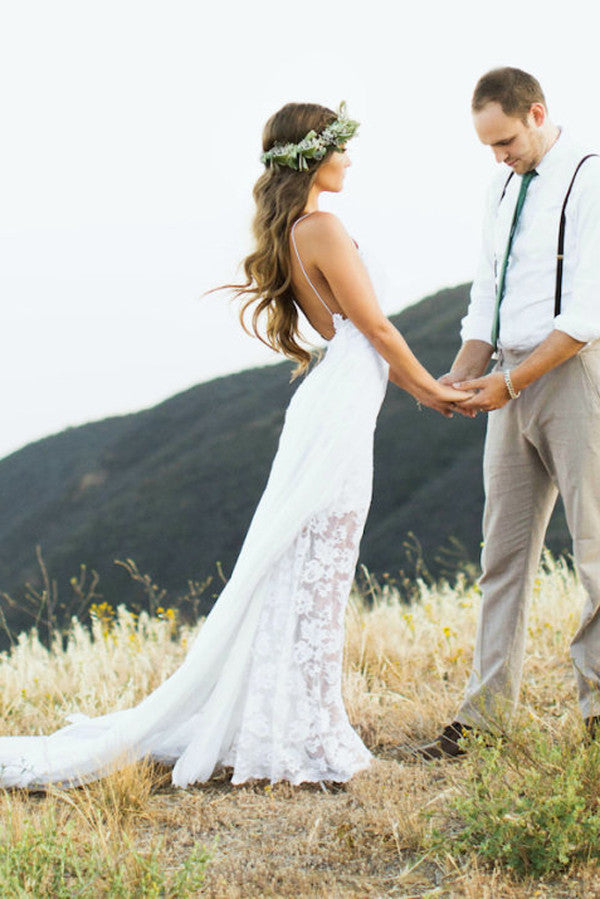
561,233
504,188
561,239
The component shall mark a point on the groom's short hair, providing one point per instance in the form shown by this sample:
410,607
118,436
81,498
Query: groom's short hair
514,89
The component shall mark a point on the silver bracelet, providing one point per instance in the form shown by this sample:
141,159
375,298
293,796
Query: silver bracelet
509,385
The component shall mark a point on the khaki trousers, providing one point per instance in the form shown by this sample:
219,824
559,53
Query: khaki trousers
545,442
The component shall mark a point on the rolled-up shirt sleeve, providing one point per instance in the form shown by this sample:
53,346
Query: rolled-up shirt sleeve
580,314
477,323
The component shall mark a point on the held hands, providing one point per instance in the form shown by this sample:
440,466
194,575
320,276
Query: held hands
493,391
444,399
490,392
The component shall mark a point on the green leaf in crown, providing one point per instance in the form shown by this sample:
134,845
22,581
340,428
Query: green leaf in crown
313,145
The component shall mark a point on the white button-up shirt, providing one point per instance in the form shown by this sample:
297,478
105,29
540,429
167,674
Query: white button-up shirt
527,310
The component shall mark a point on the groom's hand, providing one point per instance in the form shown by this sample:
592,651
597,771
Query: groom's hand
491,393
471,362
451,379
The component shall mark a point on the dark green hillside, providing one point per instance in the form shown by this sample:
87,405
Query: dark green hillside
174,487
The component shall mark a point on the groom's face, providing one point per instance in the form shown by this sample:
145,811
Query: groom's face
518,144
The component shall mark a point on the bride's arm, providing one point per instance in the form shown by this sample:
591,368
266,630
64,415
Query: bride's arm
333,252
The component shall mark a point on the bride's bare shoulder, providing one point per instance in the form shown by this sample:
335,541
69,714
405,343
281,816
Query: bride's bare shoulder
323,232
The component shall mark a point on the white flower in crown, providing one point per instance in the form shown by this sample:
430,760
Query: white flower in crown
313,145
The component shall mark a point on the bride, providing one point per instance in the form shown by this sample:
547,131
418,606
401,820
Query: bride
260,688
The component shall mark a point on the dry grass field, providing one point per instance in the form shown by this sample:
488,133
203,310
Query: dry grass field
519,818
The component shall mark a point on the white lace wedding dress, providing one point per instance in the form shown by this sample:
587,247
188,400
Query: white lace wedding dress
260,688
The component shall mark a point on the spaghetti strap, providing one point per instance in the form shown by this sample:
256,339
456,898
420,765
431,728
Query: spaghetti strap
302,267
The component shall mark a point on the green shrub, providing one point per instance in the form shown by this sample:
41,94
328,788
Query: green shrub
529,802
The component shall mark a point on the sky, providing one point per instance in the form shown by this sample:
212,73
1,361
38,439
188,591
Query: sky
131,137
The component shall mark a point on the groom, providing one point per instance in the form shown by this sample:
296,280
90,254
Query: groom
541,314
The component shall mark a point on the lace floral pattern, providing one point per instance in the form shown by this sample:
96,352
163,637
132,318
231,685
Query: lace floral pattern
261,686
294,725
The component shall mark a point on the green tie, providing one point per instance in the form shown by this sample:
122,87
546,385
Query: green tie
525,182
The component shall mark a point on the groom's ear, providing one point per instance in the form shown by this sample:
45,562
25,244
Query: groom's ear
537,114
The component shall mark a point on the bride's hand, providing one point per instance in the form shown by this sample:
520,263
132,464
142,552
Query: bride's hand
445,399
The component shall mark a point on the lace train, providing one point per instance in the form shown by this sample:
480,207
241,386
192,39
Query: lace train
260,688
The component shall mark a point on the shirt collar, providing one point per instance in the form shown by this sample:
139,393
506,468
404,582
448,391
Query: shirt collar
558,152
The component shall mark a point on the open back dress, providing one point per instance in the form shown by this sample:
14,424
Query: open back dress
260,689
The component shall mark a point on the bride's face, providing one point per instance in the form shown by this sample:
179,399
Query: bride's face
330,175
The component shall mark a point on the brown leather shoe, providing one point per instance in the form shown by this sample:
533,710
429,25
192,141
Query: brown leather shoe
446,745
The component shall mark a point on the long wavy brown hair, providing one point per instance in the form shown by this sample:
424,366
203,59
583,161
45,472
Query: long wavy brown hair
280,194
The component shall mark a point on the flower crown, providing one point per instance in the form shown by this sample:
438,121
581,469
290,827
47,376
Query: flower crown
313,145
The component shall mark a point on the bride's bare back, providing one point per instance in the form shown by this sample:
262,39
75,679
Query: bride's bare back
329,277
